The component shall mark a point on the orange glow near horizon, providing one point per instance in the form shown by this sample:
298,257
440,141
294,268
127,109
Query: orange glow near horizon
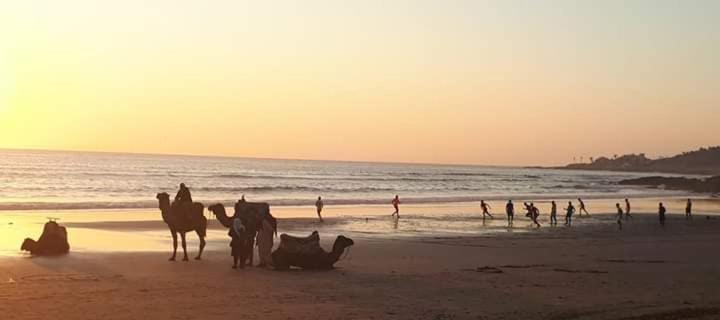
497,82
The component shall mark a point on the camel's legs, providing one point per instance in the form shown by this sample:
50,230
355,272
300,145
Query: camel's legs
202,246
184,245
174,236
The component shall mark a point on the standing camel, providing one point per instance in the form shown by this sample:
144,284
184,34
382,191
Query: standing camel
250,213
183,218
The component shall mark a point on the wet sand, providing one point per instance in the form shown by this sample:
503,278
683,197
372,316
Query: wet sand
589,271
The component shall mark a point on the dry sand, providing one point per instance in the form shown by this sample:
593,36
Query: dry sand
584,272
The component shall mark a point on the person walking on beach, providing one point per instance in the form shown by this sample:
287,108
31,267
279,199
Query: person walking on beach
582,207
688,210
319,206
396,205
627,209
485,209
534,214
553,213
661,214
510,210
569,211
619,215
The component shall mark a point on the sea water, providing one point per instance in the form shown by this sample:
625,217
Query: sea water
48,180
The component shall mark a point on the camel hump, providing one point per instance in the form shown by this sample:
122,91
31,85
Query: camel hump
244,207
301,245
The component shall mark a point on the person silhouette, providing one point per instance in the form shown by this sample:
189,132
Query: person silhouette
619,215
485,209
319,206
510,211
396,205
627,209
688,210
569,211
582,207
553,213
534,214
661,214
528,208
183,195
238,236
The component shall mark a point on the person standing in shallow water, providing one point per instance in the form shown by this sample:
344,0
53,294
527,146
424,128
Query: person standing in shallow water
319,206
619,216
510,211
688,210
528,208
485,209
661,214
569,211
553,213
534,214
396,205
627,209
582,208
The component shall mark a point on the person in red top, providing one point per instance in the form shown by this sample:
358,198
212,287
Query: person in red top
396,205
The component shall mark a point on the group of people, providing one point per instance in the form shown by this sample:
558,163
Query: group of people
533,212
249,231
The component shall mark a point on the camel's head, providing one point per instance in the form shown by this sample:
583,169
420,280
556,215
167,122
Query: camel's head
28,245
216,208
163,199
342,242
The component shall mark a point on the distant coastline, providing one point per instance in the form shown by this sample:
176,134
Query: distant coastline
704,161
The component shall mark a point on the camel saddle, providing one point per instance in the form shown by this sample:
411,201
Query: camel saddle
301,245
183,210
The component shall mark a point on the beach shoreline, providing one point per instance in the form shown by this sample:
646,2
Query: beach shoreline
417,220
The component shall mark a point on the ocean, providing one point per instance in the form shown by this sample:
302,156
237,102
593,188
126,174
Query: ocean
50,180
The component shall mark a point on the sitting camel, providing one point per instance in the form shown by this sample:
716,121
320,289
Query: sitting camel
306,252
183,218
53,241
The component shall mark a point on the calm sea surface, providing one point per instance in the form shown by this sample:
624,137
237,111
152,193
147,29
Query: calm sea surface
74,180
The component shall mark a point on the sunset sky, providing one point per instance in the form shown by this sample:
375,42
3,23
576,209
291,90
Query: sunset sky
478,82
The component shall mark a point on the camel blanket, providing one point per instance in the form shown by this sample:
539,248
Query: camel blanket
301,245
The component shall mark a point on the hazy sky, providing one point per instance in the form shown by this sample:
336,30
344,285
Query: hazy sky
486,82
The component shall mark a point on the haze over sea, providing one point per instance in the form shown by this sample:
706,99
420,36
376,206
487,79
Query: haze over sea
51,180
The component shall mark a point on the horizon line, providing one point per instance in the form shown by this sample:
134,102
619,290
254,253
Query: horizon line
270,158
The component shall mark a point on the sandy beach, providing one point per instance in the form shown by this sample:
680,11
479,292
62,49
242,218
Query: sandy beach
589,271
405,133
